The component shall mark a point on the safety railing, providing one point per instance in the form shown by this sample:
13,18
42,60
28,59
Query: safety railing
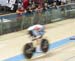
14,22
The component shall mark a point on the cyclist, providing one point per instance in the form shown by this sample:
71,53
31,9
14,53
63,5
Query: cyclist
36,31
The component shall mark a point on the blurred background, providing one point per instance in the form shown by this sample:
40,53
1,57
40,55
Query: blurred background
16,15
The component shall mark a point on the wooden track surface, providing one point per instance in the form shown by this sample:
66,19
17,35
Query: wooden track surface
12,44
64,53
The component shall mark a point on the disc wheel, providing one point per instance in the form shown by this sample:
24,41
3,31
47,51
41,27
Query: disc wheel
44,45
28,50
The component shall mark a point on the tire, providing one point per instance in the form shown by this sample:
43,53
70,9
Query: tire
28,50
44,45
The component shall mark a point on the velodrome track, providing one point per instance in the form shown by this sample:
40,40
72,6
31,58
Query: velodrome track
12,44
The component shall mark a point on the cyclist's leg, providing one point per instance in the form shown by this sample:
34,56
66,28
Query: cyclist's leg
41,32
37,37
35,33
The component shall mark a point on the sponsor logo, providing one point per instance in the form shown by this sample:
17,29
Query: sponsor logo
72,38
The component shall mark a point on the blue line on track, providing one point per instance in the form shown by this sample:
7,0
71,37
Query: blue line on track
51,46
